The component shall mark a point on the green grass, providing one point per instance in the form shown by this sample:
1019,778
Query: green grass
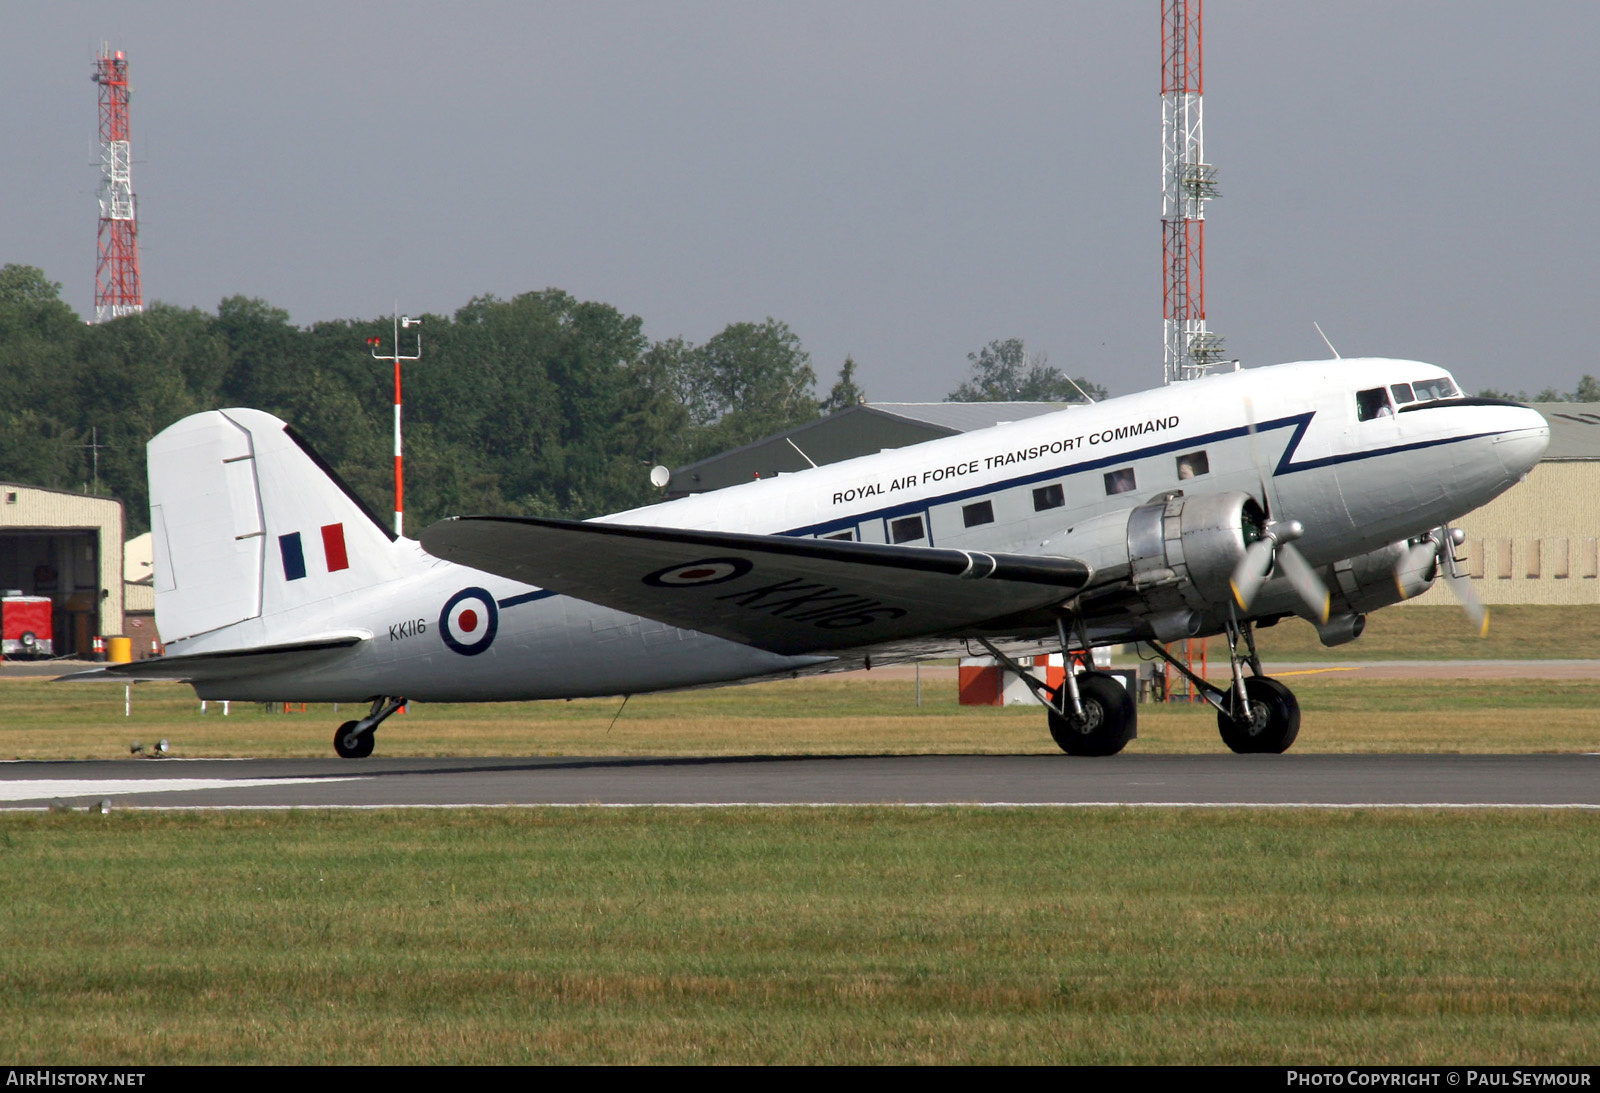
1342,712
783,936
1516,632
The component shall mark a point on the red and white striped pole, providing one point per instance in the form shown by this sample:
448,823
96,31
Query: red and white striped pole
396,356
399,465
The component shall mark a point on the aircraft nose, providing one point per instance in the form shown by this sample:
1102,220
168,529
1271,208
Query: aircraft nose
1523,437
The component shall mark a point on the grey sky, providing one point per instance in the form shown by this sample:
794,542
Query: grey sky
902,182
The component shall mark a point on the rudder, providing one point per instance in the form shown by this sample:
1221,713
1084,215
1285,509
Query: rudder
248,522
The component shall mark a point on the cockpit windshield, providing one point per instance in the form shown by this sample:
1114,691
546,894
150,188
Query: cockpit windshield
1428,390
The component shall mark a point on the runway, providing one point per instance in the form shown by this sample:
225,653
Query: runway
1328,781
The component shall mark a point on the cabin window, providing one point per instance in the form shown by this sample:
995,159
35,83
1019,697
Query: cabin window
846,536
1193,465
1402,394
980,513
1119,481
1048,497
1428,390
905,529
1371,404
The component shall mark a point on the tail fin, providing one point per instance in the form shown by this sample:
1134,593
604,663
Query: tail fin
247,521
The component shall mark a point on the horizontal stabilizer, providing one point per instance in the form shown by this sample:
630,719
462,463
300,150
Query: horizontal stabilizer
228,663
776,592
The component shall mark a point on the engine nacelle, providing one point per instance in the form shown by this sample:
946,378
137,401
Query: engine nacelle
1178,552
1370,581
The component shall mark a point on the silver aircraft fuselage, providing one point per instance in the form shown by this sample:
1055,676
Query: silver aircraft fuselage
1356,480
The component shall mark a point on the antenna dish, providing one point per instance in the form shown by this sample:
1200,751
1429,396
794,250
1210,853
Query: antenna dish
660,476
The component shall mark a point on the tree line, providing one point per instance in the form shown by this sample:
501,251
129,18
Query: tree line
542,404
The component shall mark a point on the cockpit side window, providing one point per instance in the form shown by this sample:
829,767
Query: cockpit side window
1402,393
1371,404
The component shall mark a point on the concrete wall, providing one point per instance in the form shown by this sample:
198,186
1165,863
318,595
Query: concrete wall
1538,543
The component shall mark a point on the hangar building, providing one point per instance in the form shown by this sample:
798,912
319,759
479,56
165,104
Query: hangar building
68,547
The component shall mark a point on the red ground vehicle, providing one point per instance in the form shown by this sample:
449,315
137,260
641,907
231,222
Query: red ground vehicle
25,629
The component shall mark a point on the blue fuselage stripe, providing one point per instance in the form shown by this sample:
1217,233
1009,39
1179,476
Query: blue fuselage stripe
525,597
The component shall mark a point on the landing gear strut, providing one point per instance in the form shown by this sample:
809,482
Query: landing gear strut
1255,714
355,739
1089,714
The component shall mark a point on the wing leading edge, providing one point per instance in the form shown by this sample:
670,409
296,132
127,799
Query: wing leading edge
783,594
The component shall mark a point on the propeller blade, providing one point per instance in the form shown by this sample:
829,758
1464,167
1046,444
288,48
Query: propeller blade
1477,613
1298,572
1255,456
1459,583
1251,571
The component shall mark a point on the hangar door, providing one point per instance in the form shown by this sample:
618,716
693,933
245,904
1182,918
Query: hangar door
63,564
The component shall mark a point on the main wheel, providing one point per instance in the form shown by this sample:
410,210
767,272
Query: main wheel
1108,722
1272,723
349,745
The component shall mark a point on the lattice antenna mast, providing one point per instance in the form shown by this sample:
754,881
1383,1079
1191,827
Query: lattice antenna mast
1187,181
117,290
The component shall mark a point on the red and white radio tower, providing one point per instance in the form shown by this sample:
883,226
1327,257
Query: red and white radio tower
116,276
1186,182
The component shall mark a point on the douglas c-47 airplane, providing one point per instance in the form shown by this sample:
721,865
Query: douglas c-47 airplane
1319,489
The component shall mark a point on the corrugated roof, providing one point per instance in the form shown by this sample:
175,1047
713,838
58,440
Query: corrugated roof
964,417
1574,429
851,432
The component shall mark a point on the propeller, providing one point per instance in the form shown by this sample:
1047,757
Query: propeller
1438,548
1274,549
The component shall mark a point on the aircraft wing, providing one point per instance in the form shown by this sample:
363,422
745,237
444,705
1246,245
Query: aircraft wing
227,664
783,594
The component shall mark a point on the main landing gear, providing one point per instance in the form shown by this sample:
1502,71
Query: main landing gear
355,739
1255,714
1091,713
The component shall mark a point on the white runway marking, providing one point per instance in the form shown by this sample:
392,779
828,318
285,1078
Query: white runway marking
992,805
30,788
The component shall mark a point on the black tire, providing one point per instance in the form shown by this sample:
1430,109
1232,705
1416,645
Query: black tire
1273,723
1109,718
358,747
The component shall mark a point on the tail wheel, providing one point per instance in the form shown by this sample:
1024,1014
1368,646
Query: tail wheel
351,744
1108,722
1271,723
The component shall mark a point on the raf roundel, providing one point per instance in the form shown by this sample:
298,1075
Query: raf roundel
693,574
469,621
